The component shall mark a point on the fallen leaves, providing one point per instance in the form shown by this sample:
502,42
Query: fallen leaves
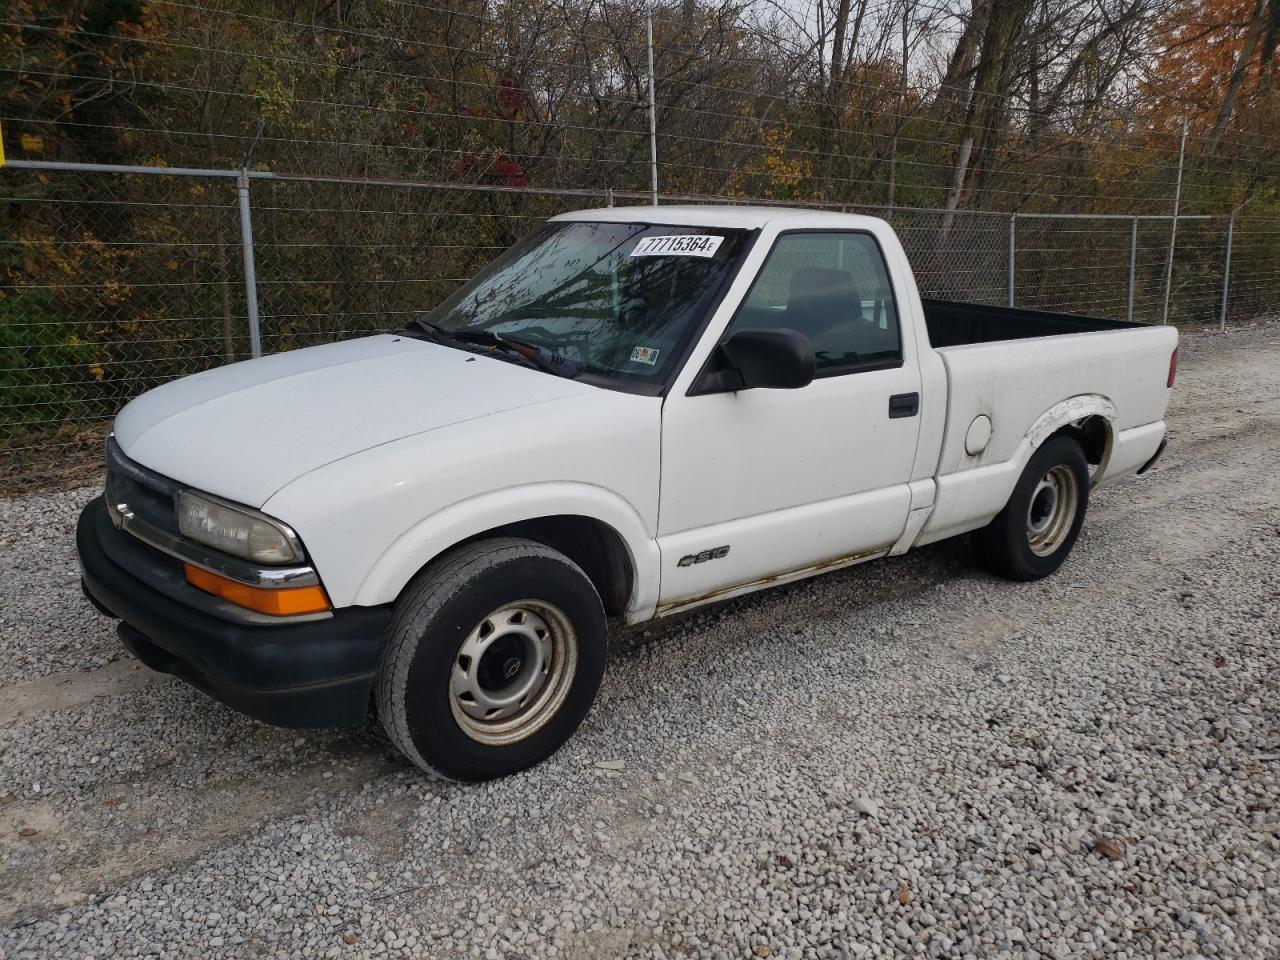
1109,847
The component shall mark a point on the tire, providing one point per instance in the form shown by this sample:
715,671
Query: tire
495,656
1034,533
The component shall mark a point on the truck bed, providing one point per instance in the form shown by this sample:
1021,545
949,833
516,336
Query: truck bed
1012,367
952,323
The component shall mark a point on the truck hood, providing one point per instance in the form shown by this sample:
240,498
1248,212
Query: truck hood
245,430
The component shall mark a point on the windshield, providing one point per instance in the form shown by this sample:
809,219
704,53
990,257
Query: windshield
613,299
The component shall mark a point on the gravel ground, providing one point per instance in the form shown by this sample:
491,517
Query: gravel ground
906,758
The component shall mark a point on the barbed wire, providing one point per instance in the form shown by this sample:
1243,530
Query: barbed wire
791,97
112,282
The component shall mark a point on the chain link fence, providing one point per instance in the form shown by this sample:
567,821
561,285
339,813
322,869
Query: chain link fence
109,285
114,282
343,259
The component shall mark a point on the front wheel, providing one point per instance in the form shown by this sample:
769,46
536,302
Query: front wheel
495,656
1032,536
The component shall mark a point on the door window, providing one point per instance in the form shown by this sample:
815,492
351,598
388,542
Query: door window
833,288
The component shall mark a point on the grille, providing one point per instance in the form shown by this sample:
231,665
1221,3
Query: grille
149,495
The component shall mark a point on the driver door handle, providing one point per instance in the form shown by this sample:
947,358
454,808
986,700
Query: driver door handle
904,405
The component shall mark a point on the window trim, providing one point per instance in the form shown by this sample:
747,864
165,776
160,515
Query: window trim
823,373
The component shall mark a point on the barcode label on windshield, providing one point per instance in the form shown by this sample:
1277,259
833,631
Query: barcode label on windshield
680,245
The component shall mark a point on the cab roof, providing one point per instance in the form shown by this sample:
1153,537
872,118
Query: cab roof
724,216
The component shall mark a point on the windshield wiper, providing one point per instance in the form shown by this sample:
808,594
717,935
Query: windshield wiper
531,355
426,330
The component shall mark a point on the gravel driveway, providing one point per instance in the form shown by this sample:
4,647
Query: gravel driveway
904,758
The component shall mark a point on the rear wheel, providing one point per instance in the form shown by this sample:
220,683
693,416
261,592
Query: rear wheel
1033,535
495,656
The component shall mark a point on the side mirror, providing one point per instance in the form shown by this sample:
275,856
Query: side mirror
779,359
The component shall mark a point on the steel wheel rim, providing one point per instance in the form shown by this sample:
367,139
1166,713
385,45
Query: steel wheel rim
1052,510
512,672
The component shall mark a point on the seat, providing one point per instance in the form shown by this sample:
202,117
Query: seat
827,307
823,301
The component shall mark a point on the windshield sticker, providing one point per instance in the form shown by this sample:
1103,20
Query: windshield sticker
647,355
680,245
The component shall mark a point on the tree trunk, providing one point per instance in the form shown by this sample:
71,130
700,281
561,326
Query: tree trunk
837,50
960,65
1267,64
852,47
957,184
1228,107
985,119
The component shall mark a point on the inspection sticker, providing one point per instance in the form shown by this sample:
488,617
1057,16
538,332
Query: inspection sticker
647,355
680,245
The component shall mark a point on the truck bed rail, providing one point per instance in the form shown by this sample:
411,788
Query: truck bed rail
952,323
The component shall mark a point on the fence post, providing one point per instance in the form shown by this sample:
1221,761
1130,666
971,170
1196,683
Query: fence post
1173,229
1133,265
1013,234
250,275
653,115
1226,274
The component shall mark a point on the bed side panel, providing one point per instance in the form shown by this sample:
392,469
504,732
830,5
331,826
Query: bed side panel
1014,382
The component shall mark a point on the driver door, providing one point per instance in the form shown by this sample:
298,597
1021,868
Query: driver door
761,485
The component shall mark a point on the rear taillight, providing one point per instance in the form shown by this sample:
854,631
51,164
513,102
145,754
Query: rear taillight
1173,367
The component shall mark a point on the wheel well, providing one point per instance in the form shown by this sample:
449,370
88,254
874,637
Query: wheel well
1093,434
592,544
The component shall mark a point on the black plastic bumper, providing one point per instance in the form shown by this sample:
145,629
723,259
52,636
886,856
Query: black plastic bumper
317,673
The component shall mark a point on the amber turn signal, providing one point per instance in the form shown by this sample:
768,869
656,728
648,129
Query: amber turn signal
276,601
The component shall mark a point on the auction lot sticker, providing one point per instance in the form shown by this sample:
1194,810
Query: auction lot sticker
680,245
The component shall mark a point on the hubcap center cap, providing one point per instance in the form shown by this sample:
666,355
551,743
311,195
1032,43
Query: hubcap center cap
502,663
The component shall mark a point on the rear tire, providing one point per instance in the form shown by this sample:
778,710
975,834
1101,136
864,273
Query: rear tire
495,656
1033,535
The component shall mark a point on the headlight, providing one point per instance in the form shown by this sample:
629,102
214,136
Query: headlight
240,533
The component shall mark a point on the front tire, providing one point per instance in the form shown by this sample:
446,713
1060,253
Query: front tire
495,656
1033,535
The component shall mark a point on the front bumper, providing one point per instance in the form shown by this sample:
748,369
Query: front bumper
317,673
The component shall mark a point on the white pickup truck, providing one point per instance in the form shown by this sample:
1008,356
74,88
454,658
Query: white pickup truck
631,412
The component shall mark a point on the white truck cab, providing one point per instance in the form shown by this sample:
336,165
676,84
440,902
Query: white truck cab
631,412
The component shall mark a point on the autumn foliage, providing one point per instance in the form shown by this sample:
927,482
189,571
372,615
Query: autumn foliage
117,282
